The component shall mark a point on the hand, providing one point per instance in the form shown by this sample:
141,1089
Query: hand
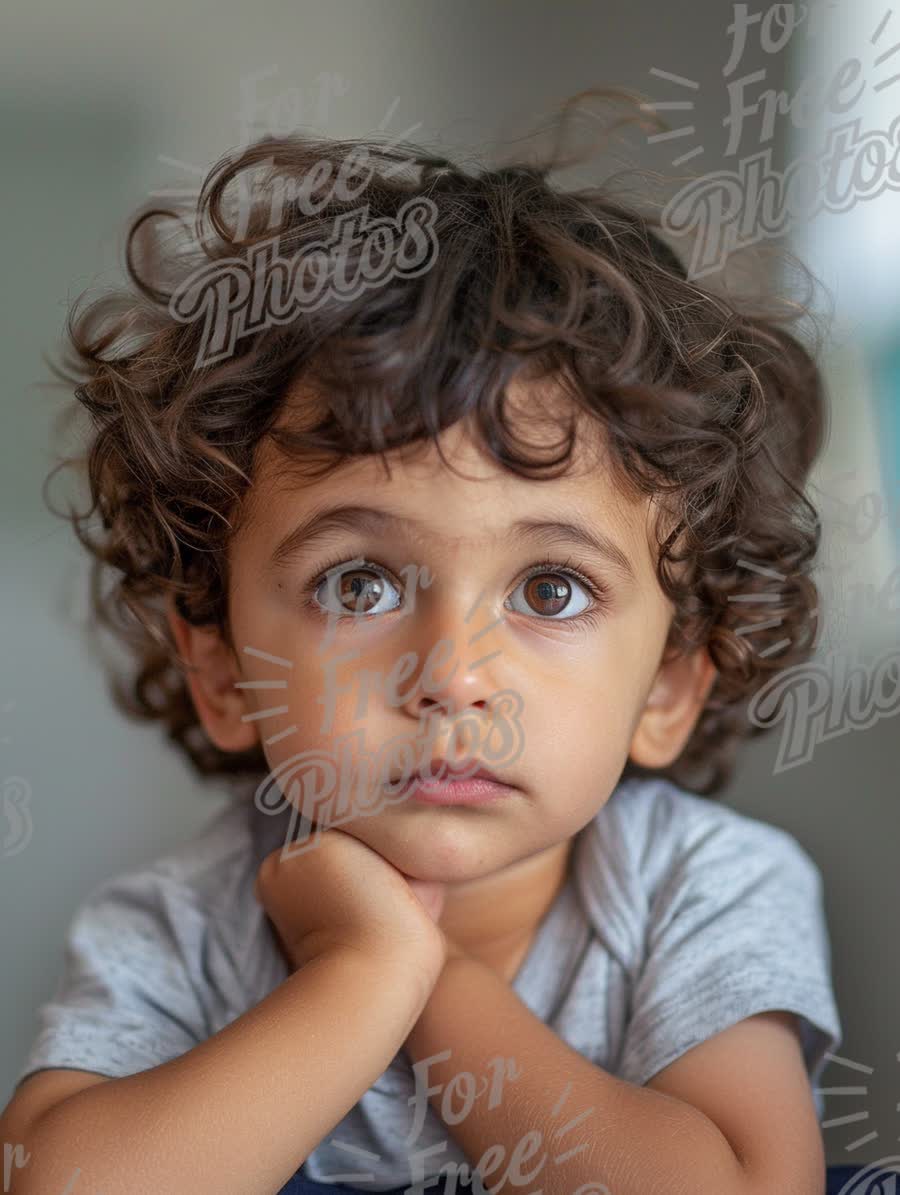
342,893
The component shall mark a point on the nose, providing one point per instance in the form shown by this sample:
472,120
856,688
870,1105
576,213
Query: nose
446,704
455,723
458,694
456,661
449,682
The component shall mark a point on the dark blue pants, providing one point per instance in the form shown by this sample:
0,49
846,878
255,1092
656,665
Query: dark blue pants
305,1186
838,1179
861,1180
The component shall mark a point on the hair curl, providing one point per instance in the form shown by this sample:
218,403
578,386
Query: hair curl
716,409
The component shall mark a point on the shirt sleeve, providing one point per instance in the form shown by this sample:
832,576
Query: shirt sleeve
736,927
125,1001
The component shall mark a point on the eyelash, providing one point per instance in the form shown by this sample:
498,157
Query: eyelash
589,617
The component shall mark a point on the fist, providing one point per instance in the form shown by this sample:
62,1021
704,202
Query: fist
342,893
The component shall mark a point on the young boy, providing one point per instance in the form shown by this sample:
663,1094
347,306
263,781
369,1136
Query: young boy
489,513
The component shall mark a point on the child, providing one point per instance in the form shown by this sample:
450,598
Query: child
406,475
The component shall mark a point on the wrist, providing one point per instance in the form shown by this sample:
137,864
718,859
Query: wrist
413,971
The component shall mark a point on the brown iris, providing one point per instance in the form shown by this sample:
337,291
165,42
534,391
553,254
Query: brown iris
540,588
364,589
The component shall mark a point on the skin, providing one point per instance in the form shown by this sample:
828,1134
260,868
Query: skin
733,1114
594,694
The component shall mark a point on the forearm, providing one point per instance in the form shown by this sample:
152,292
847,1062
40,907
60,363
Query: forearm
567,1121
241,1111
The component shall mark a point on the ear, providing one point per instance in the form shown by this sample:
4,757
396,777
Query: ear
211,674
673,705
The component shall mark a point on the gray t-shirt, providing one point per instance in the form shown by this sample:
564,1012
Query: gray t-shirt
679,917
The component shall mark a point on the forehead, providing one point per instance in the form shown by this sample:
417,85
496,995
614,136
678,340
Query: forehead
475,500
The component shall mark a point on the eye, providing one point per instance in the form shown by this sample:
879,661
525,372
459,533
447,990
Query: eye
354,591
550,594
361,588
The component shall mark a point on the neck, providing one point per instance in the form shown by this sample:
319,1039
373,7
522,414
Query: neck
493,916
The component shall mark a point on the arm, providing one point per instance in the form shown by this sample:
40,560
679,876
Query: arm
660,1137
242,1110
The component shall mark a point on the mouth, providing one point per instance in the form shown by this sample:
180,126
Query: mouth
443,783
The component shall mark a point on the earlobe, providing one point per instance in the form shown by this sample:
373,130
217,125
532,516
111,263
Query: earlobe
673,705
211,674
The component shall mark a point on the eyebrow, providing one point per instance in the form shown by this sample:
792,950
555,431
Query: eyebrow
367,520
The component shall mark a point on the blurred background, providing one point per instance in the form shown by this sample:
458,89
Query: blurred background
102,104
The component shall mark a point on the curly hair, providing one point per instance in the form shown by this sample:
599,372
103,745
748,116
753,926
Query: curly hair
715,410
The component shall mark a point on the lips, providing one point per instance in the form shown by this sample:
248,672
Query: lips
442,769
455,786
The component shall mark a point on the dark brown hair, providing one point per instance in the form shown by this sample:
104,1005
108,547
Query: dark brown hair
716,410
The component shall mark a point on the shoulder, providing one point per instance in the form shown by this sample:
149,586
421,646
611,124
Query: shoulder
181,907
707,900
668,830
158,957
198,871
655,849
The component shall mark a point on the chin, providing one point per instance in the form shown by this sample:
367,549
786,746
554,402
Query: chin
423,858
441,853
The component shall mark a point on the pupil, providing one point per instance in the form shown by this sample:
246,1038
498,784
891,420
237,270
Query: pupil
364,592
544,590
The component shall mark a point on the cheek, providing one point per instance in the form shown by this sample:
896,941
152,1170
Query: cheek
581,737
296,659
578,730
323,714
